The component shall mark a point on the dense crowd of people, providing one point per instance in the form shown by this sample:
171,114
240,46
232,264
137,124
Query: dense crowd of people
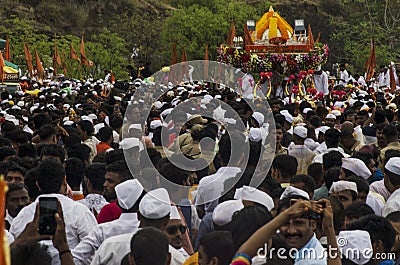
328,172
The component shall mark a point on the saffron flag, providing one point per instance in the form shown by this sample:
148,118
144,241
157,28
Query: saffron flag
370,64
64,64
1,68
392,79
4,245
184,67
231,34
206,64
56,55
84,60
310,38
246,37
28,58
39,66
7,54
73,54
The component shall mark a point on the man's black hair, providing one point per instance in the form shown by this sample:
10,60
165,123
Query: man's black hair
287,166
149,246
378,227
50,175
52,150
75,170
218,244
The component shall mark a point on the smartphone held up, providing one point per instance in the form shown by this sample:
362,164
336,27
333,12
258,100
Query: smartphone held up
48,207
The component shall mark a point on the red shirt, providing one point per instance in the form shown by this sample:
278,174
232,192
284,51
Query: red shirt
108,213
102,147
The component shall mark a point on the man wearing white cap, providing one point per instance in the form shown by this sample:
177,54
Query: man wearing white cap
303,155
175,230
345,191
154,211
355,166
129,194
321,81
392,182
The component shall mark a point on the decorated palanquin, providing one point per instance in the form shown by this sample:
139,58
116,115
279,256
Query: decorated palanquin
273,42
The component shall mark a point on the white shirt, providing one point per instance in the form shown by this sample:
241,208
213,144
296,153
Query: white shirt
79,222
94,200
380,188
114,249
211,187
359,136
247,86
344,78
392,204
321,83
376,202
84,251
311,144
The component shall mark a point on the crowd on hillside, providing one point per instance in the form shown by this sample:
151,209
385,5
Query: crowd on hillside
328,172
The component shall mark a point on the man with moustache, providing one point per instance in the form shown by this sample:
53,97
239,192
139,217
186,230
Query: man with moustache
299,235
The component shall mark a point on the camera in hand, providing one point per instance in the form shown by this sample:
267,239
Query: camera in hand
47,221
311,214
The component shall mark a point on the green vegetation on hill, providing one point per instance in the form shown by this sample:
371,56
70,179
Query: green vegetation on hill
113,28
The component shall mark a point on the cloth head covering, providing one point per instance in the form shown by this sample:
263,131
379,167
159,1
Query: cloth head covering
223,213
330,116
254,195
393,165
255,134
155,204
288,116
259,117
174,214
128,192
355,245
300,131
290,191
155,124
356,166
130,142
136,126
342,185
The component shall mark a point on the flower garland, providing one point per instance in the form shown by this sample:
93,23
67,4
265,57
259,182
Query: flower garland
265,76
289,81
258,63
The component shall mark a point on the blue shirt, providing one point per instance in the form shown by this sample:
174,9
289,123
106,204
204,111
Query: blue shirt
313,253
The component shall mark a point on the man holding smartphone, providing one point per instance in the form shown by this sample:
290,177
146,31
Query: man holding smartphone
79,221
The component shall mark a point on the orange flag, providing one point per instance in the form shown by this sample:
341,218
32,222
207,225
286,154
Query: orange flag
231,34
310,38
39,66
246,37
184,67
64,64
174,56
28,58
84,60
1,68
7,54
56,55
73,54
4,247
392,79
370,64
206,64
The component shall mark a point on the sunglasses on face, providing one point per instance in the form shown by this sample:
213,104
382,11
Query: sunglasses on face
172,230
